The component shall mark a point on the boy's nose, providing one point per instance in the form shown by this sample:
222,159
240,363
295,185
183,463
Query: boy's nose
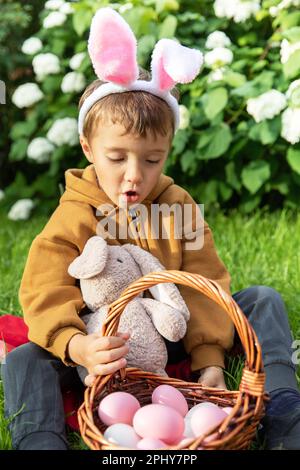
133,175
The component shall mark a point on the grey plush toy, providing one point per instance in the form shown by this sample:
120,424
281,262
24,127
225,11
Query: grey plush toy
104,272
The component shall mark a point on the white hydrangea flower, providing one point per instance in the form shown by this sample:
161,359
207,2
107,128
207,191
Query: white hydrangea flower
45,64
282,5
76,60
218,57
238,10
73,82
31,46
64,131
290,121
184,117
287,49
217,39
2,194
125,7
66,8
26,95
40,150
54,4
217,75
293,94
21,209
55,18
267,105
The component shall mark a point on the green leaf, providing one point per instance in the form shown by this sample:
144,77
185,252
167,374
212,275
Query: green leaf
289,20
209,192
18,150
23,129
249,203
231,176
214,101
179,141
163,5
145,47
293,158
293,34
266,131
263,82
52,84
259,65
291,68
234,79
188,161
82,20
255,175
214,142
168,27
225,191
58,46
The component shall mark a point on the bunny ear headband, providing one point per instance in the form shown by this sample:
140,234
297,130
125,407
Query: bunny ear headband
112,48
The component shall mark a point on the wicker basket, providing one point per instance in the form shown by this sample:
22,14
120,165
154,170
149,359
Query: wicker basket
238,429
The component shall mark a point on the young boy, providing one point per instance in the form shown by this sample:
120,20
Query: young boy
126,137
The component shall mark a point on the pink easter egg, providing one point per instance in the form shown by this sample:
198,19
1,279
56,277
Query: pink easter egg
149,444
206,418
170,396
118,407
159,422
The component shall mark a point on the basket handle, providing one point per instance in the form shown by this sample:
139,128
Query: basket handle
253,377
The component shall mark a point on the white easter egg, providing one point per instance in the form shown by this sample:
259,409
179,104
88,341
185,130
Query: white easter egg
122,435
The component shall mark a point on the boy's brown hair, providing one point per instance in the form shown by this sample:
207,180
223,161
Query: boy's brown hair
138,111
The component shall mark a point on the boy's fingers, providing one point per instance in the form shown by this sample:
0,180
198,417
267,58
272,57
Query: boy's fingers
110,368
104,357
89,380
123,335
105,343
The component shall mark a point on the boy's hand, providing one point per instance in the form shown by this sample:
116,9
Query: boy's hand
212,377
100,355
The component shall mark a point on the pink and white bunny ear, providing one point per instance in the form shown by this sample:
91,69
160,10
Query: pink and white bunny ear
112,47
173,63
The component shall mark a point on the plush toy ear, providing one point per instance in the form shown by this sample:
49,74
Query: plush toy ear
173,63
167,293
92,259
112,47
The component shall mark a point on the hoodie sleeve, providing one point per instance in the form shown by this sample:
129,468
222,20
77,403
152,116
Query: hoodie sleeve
50,299
210,330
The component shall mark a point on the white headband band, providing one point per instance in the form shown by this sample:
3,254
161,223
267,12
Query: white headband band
139,85
112,49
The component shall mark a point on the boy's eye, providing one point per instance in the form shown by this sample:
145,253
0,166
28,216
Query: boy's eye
116,160
121,159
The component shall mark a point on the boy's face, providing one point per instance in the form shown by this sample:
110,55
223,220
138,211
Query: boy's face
126,162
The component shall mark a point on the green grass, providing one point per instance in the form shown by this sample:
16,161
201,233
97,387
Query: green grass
261,249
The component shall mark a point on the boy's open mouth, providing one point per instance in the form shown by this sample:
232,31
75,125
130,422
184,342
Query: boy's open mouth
131,196
131,193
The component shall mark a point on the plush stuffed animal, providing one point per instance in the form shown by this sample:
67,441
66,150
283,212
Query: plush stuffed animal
104,272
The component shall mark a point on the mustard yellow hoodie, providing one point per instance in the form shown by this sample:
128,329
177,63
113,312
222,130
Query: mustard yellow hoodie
51,299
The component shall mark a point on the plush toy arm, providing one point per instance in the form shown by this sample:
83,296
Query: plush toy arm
168,321
94,320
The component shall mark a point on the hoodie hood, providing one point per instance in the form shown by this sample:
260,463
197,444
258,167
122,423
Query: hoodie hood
82,186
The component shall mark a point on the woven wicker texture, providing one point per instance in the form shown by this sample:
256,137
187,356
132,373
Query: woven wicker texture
238,429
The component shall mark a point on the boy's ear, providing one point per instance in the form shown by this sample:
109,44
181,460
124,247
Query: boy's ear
86,148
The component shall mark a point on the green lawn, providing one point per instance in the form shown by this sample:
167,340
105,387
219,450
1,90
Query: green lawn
261,249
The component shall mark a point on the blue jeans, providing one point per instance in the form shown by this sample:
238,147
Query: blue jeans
33,378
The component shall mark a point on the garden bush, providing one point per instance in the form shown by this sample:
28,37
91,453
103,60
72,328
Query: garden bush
239,141
16,23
